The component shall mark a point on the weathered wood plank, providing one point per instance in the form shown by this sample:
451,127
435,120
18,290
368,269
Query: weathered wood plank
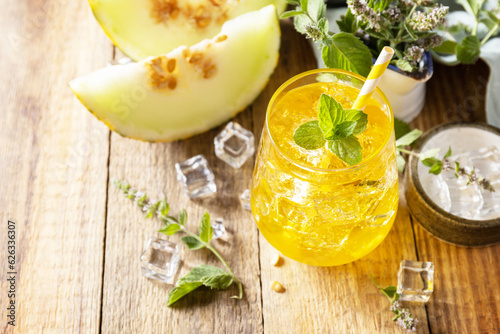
466,298
339,299
138,305
53,166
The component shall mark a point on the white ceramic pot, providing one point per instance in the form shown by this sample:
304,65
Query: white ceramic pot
406,91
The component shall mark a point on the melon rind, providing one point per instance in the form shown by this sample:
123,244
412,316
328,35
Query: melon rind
122,95
133,29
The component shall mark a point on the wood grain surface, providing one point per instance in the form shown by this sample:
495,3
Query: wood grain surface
79,240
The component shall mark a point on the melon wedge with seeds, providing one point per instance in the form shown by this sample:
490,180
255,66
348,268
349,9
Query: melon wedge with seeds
191,89
142,28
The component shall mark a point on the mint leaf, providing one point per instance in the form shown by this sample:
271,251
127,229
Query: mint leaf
323,25
330,114
344,129
448,153
429,162
401,128
315,8
379,5
300,22
347,23
408,138
402,65
201,272
347,149
469,50
447,47
347,52
170,229
163,208
436,168
303,5
400,162
290,13
389,291
205,230
309,136
209,276
359,117
192,243
218,282
182,217
181,290
293,2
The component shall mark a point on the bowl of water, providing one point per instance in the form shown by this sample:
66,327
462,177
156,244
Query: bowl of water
461,205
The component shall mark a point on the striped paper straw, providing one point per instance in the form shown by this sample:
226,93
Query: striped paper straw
373,78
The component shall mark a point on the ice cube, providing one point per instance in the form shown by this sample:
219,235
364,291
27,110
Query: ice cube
218,227
415,280
196,177
466,201
160,260
245,200
486,161
234,145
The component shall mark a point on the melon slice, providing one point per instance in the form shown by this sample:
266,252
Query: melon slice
190,89
142,28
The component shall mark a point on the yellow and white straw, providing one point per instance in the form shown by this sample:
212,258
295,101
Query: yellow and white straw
373,78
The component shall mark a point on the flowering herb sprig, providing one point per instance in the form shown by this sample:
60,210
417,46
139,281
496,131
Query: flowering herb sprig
367,27
206,275
406,137
405,25
402,317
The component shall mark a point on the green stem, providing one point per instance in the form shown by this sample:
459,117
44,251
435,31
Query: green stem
474,29
408,152
380,288
490,33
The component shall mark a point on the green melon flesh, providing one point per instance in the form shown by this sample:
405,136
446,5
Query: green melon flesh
142,28
211,82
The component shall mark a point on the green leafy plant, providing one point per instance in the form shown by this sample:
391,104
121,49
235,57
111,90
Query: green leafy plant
368,26
403,317
465,41
336,127
406,137
203,275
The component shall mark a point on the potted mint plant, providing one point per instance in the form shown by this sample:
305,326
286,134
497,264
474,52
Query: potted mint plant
405,25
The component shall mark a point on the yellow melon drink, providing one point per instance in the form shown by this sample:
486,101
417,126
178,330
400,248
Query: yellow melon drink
309,204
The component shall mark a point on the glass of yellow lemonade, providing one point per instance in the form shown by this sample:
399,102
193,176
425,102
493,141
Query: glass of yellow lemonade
309,204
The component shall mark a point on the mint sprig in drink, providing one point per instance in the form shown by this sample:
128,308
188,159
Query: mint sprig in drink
311,202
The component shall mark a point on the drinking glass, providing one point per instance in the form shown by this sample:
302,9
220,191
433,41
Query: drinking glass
310,205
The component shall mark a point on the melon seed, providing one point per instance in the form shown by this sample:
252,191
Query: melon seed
171,65
220,38
277,287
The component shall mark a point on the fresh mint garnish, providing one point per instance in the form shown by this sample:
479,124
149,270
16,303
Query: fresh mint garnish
337,127
348,149
309,136
209,276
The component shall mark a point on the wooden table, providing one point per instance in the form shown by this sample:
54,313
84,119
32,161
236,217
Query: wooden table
78,240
